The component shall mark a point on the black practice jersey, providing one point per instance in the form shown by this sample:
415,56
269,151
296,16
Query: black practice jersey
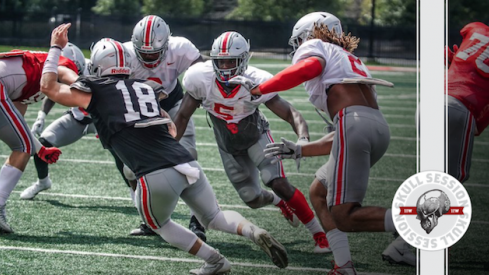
118,104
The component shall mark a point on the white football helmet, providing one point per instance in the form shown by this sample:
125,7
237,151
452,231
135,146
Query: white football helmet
303,28
150,36
109,57
230,45
72,52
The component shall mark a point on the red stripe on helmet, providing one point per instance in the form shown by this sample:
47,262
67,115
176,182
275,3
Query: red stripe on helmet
224,45
148,30
120,53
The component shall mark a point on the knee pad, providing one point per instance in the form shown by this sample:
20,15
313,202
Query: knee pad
44,142
258,201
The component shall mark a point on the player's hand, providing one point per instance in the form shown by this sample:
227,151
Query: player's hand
449,54
38,125
172,129
284,150
300,142
247,83
49,154
59,36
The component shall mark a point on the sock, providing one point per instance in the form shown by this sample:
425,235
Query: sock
9,177
41,167
206,252
338,241
177,235
299,206
314,227
45,180
389,222
133,196
276,199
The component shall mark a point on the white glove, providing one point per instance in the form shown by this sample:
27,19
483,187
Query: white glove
301,141
247,83
284,150
38,125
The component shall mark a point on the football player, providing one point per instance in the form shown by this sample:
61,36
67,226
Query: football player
128,119
20,74
242,131
468,96
339,84
161,57
65,130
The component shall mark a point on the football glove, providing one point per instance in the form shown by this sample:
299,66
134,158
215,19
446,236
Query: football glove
247,83
284,150
49,154
38,125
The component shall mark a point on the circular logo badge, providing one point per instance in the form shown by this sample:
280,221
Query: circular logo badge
431,210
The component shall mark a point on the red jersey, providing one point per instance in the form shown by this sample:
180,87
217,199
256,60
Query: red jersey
468,75
32,63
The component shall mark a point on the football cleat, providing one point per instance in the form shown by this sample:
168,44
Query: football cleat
321,243
346,269
275,250
217,264
197,228
32,191
288,214
399,252
143,230
4,227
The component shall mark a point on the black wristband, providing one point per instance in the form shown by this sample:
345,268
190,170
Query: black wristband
56,46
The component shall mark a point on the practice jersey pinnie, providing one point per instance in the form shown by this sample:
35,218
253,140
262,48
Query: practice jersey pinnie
116,106
201,83
468,76
238,124
32,63
340,64
180,54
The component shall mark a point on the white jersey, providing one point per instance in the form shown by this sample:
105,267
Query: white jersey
179,56
78,112
201,83
340,65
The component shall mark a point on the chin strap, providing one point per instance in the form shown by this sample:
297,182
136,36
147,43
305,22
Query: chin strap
292,76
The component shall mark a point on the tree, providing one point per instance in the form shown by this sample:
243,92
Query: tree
172,8
280,10
117,7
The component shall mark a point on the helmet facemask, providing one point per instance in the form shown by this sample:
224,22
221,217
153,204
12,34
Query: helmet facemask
224,74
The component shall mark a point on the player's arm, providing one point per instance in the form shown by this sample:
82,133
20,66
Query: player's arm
292,76
318,147
59,92
287,112
199,59
187,109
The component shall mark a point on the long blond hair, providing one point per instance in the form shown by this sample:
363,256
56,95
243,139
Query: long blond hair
347,42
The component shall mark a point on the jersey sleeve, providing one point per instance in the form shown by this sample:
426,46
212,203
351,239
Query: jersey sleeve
82,84
193,81
186,51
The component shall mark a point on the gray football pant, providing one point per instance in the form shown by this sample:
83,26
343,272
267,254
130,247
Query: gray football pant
361,139
188,138
157,195
461,130
66,130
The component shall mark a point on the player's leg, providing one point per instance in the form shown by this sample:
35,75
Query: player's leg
15,133
461,130
243,174
157,195
292,199
63,131
201,199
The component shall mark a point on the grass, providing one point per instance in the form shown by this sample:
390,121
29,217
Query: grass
81,225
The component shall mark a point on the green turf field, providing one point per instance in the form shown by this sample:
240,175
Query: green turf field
81,225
